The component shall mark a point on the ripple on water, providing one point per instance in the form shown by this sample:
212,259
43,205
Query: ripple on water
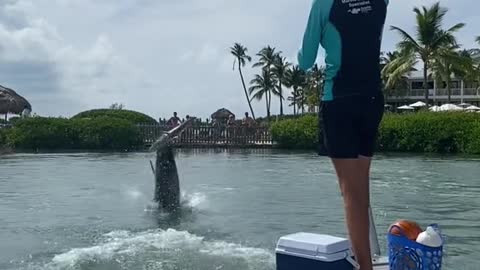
60,216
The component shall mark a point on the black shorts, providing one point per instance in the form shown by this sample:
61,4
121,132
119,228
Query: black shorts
350,125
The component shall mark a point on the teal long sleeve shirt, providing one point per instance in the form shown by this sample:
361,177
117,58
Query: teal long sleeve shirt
350,31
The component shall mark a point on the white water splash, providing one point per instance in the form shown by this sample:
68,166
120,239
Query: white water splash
134,194
126,243
194,200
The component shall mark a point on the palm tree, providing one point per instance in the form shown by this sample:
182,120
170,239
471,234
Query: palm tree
449,61
430,38
263,85
395,69
312,87
470,71
473,74
280,68
313,91
295,79
267,56
476,52
240,54
293,101
388,57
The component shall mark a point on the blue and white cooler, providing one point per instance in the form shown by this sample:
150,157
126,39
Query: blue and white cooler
308,251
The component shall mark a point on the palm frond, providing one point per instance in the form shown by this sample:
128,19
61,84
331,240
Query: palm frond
456,27
262,84
408,41
429,22
280,67
240,53
266,56
443,39
258,95
398,69
258,64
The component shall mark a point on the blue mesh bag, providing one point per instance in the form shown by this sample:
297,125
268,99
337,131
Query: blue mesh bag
405,254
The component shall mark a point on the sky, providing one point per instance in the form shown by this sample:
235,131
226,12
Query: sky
159,56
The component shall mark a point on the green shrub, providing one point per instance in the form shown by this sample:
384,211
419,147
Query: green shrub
14,120
43,133
3,137
300,133
423,132
427,132
132,116
473,140
276,118
107,133
61,134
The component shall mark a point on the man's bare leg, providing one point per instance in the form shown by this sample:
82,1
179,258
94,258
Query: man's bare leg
353,177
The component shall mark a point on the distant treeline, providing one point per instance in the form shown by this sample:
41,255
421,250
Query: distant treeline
422,132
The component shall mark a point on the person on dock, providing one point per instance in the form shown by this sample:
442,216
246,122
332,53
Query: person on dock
231,126
248,121
231,121
189,124
174,121
353,104
249,125
187,134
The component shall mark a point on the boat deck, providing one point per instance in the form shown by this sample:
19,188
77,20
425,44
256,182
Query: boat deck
380,263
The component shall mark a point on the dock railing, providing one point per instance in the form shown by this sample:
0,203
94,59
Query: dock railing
209,136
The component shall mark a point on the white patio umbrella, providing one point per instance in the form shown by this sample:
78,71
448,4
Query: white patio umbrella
464,104
418,104
406,107
450,107
434,108
473,108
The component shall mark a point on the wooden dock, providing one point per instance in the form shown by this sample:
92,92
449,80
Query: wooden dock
210,137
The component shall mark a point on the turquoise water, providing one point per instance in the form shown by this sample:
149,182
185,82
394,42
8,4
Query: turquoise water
94,211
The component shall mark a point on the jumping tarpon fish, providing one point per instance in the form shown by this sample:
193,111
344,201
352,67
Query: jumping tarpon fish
167,184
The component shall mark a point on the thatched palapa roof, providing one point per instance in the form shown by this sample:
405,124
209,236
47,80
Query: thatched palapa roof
11,102
222,114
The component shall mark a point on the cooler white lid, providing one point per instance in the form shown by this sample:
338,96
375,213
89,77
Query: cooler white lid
313,244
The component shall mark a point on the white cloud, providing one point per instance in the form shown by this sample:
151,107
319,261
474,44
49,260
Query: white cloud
160,56
97,76
187,56
208,53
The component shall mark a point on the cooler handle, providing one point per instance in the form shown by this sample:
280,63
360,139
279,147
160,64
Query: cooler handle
352,261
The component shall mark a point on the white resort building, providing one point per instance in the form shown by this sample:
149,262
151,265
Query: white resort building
461,91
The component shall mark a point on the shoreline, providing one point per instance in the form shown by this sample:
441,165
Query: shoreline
6,151
379,154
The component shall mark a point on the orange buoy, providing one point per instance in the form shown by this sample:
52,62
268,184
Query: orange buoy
409,229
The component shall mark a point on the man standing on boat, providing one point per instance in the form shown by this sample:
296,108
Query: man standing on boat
350,31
